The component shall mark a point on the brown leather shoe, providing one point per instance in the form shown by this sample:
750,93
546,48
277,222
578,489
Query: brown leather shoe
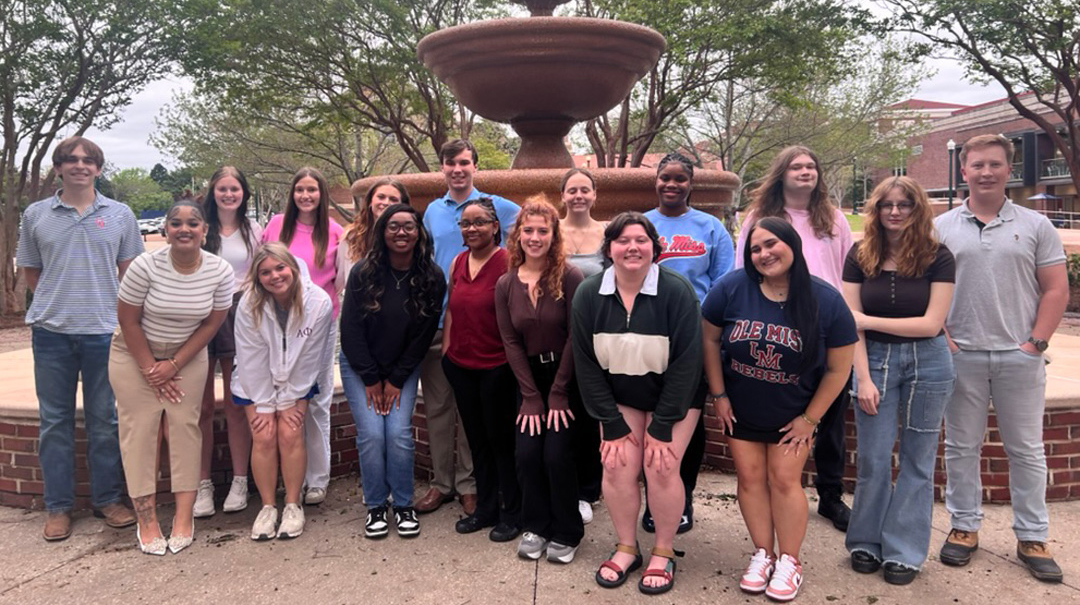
431,501
468,503
57,526
116,515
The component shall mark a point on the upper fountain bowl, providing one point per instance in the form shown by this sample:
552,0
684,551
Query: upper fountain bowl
541,68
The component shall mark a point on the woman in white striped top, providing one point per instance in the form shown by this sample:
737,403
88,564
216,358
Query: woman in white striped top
172,302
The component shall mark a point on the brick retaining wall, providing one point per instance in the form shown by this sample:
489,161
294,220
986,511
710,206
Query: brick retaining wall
21,483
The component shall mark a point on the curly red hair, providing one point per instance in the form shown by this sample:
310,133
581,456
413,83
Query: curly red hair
552,278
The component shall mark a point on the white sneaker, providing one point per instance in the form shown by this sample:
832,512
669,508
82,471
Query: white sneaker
292,522
238,495
204,500
585,509
315,495
758,573
785,582
265,527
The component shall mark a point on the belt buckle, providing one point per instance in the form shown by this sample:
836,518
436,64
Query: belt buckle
548,357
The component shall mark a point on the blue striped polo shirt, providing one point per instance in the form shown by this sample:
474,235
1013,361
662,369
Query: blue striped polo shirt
77,256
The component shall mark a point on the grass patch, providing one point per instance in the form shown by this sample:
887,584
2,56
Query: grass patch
854,221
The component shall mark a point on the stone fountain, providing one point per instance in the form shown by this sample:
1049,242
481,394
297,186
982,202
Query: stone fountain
541,75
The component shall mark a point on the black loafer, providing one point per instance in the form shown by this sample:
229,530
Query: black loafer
898,574
864,562
1038,561
504,532
471,524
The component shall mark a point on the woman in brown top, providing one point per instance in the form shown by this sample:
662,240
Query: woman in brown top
532,303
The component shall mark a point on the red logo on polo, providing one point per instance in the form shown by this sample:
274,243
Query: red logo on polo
100,222
681,246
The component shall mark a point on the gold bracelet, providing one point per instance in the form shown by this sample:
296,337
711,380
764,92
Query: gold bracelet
809,419
172,360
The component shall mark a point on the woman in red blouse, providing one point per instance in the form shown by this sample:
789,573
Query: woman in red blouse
475,365
532,302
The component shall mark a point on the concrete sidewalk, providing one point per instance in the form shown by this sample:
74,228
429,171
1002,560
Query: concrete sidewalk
333,563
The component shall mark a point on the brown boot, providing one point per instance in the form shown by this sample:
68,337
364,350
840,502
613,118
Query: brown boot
958,547
116,515
468,503
57,526
1036,557
431,501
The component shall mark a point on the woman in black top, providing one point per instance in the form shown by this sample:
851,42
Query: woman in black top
388,318
899,283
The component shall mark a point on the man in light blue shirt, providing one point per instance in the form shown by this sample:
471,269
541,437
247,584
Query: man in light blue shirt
73,248
452,474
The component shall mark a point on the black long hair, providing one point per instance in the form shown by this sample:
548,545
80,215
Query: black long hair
425,277
210,211
801,308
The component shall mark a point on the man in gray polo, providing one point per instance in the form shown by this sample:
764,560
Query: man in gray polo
1011,291
73,248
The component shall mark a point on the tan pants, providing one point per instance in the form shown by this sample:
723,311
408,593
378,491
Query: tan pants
138,413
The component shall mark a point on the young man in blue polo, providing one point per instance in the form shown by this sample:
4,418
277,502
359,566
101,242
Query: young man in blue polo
73,248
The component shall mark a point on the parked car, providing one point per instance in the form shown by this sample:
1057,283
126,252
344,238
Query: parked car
148,226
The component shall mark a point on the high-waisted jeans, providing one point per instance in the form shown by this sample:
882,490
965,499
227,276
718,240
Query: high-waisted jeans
914,381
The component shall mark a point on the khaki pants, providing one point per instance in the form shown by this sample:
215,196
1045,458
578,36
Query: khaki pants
138,412
446,437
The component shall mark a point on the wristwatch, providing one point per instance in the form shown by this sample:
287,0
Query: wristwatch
1040,345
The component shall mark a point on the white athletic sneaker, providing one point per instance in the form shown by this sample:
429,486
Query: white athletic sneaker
758,573
531,546
265,527
315,495
204,500
585,509
238,495
785,582
292,522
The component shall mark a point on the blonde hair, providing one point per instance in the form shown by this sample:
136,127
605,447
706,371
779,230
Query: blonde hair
258,293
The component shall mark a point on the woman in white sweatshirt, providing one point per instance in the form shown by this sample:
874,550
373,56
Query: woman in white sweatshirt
282,324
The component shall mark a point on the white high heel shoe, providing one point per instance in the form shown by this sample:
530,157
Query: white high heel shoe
178,543
157,546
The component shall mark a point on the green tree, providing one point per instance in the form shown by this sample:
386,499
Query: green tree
66,66
1032,49
328,63
712,42
134,187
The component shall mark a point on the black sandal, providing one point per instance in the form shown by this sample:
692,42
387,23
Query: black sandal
668,573
620,574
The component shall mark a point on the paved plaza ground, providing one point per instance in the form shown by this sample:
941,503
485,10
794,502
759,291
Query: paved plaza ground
333,563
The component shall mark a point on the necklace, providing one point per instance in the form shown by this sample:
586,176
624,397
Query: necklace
398,281
777,296
576,241
182,267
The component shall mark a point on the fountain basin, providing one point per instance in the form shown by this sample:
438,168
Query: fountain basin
541,75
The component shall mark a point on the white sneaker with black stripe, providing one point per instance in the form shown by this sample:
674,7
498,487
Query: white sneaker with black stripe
376,525
406,522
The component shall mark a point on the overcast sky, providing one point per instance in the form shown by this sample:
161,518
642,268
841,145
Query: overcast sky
127,144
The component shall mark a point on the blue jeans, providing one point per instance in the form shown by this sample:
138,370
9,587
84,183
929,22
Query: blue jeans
385,443
915,381
59,360
1016,382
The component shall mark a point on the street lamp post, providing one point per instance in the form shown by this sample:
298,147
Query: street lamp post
951,146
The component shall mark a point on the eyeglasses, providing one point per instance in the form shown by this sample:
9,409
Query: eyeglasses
478,223
902,206
409,227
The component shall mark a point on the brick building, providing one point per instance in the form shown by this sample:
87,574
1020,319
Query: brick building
1038,167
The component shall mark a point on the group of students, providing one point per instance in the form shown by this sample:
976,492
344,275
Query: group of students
581,355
